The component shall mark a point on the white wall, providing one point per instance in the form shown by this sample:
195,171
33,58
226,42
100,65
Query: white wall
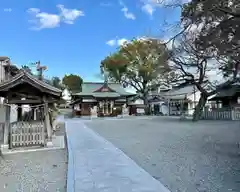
164,109
2,113
66,95
197,96
137,102
13,114
194,98
13,111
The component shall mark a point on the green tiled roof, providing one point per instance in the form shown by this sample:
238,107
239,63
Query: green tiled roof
89,88
106,94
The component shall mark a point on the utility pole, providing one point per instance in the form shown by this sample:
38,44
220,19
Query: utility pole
40,70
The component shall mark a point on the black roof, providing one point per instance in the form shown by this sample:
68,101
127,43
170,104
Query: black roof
4,58
230,91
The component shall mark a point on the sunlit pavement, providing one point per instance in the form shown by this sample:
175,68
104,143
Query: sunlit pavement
183,155
95,165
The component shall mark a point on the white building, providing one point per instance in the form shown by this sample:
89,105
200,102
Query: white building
3,63
178,97
66,95
174,101
6,71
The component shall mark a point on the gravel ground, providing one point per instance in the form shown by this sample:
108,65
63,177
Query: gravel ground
184,156
40,171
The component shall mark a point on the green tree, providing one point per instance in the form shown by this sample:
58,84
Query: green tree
208,42
141,64
26,68
219,29
56,82
73,82
193,67
217,24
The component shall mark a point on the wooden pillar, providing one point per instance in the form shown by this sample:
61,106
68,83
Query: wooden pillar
7,124
35,114
47,122
103,107
111,106
169,106
19,112
6,139
122,109
106,107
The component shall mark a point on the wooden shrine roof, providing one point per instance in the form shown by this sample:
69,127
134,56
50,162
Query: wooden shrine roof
99,89
25,77
231,91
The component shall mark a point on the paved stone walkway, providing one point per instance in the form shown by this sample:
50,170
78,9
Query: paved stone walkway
95,165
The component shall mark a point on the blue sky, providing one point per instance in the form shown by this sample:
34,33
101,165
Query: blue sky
73,36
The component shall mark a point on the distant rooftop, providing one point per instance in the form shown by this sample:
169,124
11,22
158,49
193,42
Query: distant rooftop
4,58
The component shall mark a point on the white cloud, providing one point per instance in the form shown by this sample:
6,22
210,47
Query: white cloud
111,42
121,41
160,3
43,20
7,10
126,12
116,42
148,8
69,15
33,10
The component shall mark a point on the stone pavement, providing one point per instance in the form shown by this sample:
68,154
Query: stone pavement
95,165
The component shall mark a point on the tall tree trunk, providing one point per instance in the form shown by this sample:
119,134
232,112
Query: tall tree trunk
199,108
146,104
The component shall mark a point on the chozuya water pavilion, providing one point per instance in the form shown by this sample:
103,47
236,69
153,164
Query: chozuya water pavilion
100,99
26,111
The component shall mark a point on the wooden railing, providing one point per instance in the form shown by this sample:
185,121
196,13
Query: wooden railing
27,134
236,115
221,115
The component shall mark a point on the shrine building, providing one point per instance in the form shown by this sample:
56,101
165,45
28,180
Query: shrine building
100,99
